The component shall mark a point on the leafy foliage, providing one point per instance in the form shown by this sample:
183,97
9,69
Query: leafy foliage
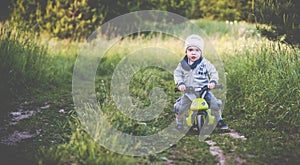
63,19
221,10
70,19
283,18
77,19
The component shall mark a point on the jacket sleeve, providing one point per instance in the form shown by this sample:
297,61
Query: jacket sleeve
212,72
178,75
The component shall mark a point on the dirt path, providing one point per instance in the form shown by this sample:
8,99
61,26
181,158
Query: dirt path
15,136
216,150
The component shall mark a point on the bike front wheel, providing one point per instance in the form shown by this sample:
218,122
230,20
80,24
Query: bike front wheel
200,122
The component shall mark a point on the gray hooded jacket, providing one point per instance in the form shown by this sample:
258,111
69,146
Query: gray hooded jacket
197,76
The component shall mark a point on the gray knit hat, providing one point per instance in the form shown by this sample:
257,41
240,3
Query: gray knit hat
194,40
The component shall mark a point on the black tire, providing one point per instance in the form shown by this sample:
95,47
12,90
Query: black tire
200,122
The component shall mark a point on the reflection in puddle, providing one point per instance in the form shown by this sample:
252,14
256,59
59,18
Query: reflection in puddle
16,137
15,118
20,115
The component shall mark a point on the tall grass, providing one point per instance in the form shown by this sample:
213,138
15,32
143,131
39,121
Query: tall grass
264,85
22,64
230,30
28,62
22,58
81,149
263,99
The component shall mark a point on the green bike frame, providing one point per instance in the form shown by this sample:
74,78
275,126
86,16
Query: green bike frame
199,107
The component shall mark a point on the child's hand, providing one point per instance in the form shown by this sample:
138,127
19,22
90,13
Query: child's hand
211,85
181,87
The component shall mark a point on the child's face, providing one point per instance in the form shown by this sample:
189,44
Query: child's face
193,53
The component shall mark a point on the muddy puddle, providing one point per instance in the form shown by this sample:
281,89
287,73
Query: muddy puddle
14,118
16,137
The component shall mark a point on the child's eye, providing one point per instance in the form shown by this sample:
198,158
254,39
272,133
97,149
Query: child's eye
196,50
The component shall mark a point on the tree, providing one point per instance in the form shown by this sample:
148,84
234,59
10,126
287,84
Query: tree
283,19
247,10
26,12
221,10
77,19
74,19
71,18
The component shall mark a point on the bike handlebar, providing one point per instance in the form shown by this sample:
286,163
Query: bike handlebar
204,88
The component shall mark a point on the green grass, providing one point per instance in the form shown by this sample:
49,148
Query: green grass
28,64
262,99
263,95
